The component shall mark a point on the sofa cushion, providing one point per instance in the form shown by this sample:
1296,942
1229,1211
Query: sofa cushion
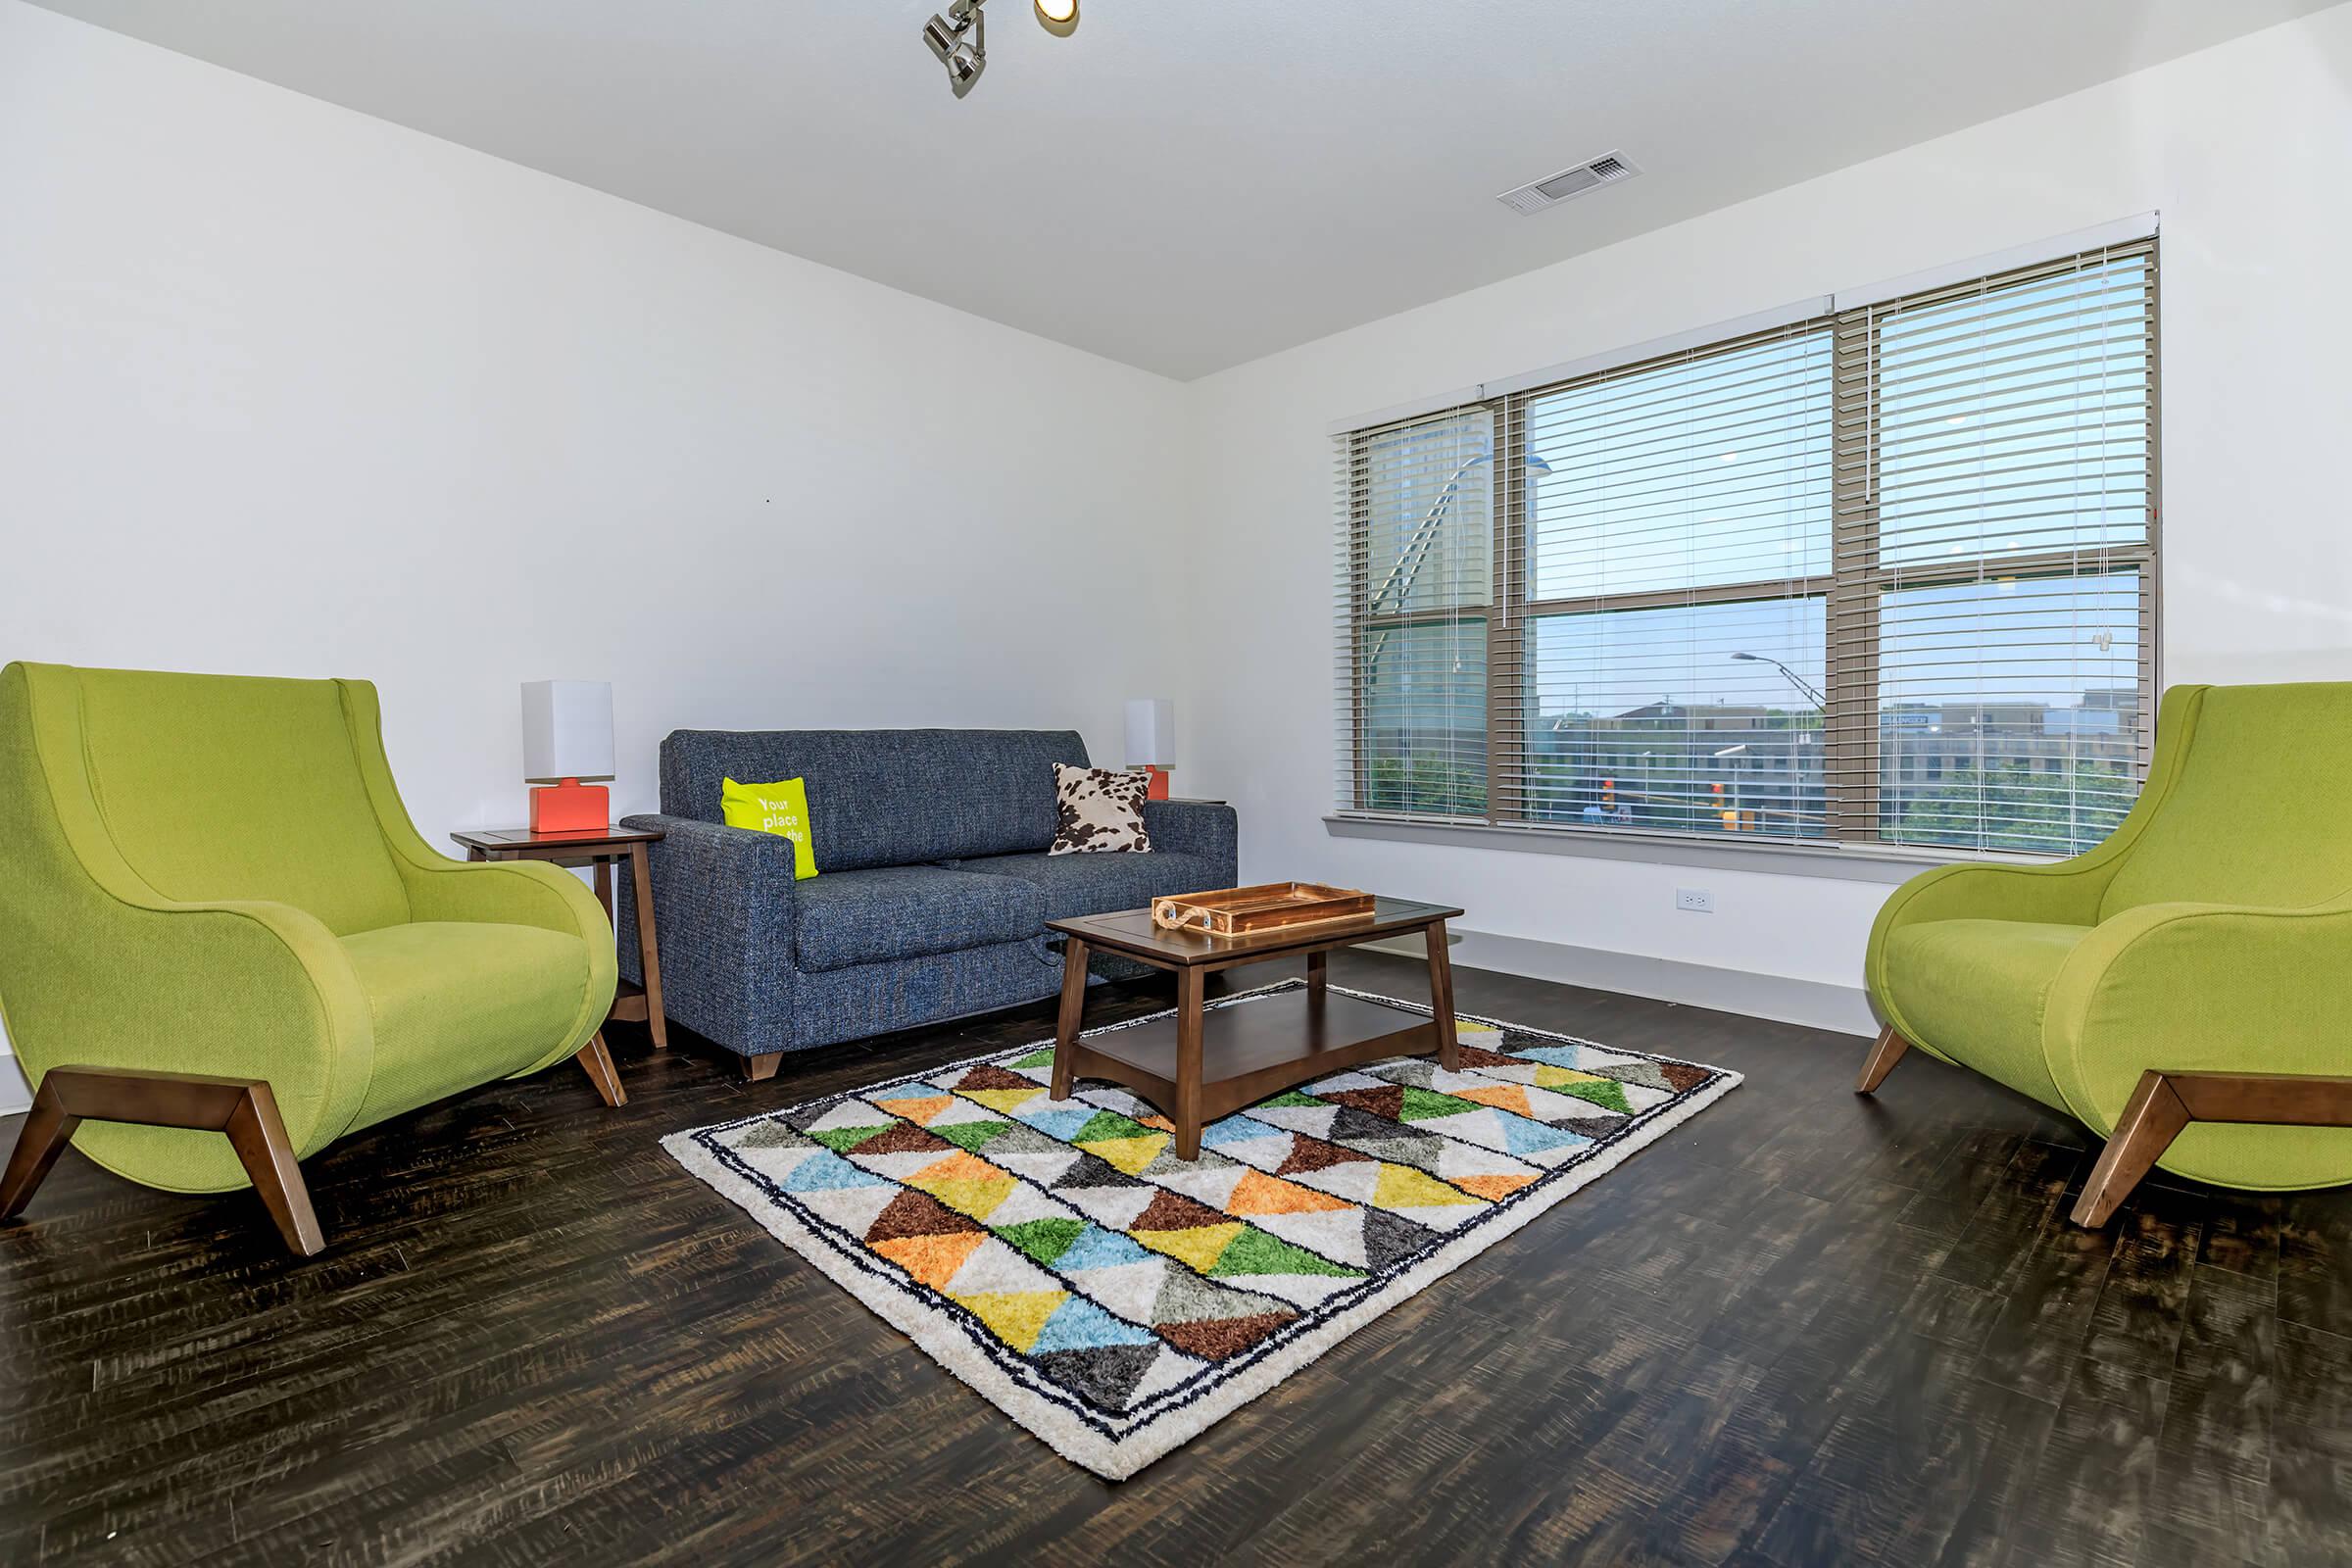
459,1003
1102,812
907,911
780,808
886,797
1973,990
1096,884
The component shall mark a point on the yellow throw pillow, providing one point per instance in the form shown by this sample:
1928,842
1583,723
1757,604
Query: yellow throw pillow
781,808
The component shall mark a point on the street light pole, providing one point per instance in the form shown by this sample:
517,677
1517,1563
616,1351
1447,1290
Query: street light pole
1398,583
1794,679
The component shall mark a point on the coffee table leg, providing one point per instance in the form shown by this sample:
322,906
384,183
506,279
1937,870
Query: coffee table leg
1073,1008
1317,965
1189,987
1440,999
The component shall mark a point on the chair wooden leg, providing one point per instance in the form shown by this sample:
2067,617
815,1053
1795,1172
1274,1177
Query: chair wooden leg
2165,1104
243,1108
1883,1055
46,1131
598,1063
758,1069
2154,1118
259,1136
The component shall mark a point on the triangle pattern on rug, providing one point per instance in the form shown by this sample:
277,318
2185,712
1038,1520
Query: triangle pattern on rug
1316,1154
1058,1255
1255,1195
1130,1290
1017,1317
1107,1376
920,1109
1113,1207
932,1259
1336,1233
1312,1117
853,1208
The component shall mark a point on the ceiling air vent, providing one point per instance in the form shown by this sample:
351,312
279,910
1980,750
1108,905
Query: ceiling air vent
1606,169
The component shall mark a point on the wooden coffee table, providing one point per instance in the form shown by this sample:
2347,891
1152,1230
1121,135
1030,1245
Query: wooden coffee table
1202,1064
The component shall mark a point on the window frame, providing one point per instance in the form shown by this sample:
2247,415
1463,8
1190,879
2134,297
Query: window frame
1850,591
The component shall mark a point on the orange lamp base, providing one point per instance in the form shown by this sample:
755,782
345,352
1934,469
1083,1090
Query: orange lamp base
1159,784
571,806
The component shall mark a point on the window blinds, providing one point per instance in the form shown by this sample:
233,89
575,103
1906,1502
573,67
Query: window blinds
1885,574
1416,584
1675,551
1992,629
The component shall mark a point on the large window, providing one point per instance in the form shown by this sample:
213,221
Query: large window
1884,573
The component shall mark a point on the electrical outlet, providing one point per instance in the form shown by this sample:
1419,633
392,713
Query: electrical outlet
1694,901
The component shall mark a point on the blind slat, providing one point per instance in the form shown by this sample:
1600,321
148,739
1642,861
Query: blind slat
1881,575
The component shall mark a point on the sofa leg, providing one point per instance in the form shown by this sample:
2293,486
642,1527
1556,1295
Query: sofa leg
46,1131
2147,1127
598,1063
2164,1105
243,1108
758,1069
1883,1057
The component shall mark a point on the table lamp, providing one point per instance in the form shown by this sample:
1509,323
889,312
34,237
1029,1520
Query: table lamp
567,736
1151,740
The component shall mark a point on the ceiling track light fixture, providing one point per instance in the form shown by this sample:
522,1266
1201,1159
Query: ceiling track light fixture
958,38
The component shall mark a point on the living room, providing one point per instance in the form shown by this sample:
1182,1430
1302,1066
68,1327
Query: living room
855,786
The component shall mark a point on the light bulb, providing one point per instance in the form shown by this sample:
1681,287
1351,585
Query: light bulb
1058,17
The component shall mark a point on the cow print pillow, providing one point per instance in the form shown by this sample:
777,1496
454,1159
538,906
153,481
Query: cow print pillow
1101,810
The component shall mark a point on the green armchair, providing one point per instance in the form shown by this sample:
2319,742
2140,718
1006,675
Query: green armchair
216,918
2179,989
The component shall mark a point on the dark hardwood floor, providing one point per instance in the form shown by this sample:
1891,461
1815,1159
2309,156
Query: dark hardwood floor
1804,1328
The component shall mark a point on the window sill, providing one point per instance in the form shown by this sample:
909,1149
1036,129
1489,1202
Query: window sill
1886,864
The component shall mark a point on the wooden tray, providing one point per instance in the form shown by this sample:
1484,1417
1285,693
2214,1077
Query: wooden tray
1269,907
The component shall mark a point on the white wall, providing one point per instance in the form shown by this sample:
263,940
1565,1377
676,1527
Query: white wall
287,390
2246,149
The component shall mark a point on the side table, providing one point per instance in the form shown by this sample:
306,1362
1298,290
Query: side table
600,847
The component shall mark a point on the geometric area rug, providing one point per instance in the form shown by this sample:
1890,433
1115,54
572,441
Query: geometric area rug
1115,1300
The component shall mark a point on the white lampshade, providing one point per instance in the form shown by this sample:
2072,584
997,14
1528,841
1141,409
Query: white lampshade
567,729
1150,732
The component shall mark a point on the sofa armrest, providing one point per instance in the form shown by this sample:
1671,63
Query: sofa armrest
240,988
724,909
528,893
504,893
2064,893
2197,988
1196,828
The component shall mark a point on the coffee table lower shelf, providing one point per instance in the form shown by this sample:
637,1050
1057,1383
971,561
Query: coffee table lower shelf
1201,1062
1258,1047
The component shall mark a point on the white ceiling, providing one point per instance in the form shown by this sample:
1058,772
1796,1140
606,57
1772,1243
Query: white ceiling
1187,184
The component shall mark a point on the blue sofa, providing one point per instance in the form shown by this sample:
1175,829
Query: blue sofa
933,890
